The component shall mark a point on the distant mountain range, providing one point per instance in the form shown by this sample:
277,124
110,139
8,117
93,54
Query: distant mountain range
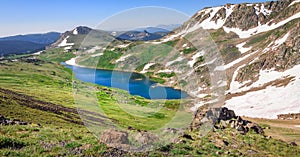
22,44
142,35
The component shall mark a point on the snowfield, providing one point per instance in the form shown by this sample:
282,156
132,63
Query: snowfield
269,102
260,28
65,43
243,49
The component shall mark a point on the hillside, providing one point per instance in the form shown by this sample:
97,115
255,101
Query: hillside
19,47
24,44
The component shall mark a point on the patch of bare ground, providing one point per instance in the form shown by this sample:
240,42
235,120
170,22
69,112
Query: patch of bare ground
286,130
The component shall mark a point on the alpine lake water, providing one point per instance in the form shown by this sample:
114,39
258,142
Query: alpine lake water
134,83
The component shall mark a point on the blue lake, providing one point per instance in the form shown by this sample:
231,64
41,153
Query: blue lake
134,83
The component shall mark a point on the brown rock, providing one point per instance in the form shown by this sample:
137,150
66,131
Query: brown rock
113,137
145,138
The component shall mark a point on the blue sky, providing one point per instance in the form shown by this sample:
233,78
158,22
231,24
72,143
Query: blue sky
33,16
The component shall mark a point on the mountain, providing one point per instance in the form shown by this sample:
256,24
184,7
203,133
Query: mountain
75,38
259,45
252,48
142,35
19,47
170,27
22,44
152,30
46,38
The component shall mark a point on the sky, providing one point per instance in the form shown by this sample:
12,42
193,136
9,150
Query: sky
40,16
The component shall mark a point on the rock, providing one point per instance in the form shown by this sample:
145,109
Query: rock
241,129
289,116
188,137
256,128
171,130
114,137
221,143
222,118
145,138
293,144
226,114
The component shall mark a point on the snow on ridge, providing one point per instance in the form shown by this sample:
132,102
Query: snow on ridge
72,61
176,60
235,85
94,49
261,28
194,58
280,41
269,102
266,76
229,65
122,46
262,10
68,48
165,71
75,32
123,58
146,67
65,43
294,2
97,55
206,24
243,49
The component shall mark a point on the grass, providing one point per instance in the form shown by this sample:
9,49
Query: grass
56,55
281,129
138,112
45,81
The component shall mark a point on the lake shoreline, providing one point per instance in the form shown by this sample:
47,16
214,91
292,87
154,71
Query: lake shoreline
141,78
72,62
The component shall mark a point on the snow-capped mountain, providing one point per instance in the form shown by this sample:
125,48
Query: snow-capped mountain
257,46
260,45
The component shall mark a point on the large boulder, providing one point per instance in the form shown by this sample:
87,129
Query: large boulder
222,118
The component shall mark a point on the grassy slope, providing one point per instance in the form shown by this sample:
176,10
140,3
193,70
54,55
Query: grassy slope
51,82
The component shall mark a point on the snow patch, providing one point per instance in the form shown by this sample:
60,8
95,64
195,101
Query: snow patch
243,49
122,46
269,102
72,62
294,2
176,60
280,41
165,71
194,58
65,42
146,67
94,49
229,65
272,101
75,32
97,55
262,10
261,28
68,48
123,58
37,53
